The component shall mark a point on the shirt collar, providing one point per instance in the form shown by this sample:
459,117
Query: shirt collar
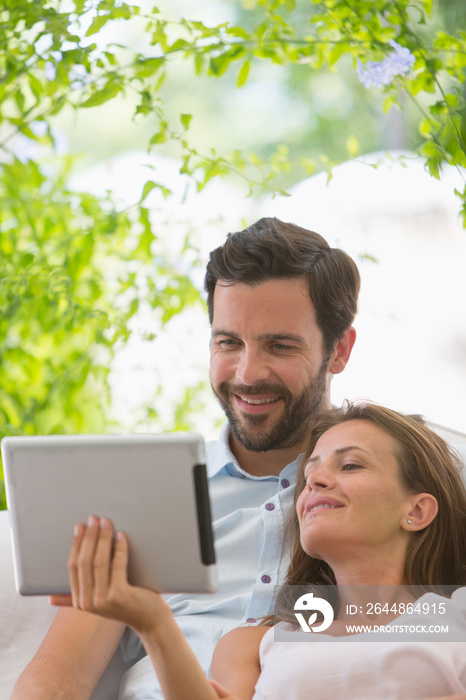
220,457
219,454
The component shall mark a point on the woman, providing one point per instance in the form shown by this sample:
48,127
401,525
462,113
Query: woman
379,502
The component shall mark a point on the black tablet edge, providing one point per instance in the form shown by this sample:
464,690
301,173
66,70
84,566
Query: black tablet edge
204,518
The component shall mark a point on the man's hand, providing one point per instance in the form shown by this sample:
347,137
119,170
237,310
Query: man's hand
99,583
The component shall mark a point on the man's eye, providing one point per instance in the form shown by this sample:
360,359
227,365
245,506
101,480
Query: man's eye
280,346
227,342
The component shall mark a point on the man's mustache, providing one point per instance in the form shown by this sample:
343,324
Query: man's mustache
263,389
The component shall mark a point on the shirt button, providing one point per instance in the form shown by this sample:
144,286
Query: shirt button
265,578
285,483
270,506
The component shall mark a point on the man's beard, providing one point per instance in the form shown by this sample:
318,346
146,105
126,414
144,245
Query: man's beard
290,427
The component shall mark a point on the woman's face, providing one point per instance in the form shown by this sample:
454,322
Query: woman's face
353,502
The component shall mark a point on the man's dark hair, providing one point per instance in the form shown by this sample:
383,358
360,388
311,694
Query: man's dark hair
271,249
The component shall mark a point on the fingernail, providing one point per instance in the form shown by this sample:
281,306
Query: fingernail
91,521
77,530
103,523
119,536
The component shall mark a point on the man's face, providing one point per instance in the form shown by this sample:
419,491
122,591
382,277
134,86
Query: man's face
267,362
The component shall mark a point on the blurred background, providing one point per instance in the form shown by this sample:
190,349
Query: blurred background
135,138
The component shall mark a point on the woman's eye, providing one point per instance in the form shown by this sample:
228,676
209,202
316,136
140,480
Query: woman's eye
350,466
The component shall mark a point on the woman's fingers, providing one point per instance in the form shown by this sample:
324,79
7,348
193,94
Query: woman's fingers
98,565
119,572
78,534
62,601
90,564
101,562
85,564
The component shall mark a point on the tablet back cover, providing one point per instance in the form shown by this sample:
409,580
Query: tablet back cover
152,487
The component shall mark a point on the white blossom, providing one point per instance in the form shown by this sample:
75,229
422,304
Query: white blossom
380,73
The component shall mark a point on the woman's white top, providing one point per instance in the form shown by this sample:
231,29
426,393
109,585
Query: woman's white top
360,668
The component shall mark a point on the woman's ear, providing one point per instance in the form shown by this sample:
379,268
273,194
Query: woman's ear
421,511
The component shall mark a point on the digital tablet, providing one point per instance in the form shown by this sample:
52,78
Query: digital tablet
152,487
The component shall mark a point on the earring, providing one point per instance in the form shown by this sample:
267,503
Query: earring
409,522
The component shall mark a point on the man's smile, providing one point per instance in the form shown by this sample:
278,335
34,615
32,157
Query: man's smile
255,404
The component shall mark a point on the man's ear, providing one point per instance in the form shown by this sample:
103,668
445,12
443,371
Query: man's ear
342,351
421,511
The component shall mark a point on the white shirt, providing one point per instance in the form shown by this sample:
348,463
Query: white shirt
248,516
356,668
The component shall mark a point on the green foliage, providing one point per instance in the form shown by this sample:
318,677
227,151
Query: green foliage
67,294
53,59
74,269
48,62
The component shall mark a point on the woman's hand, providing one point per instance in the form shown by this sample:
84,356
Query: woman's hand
99,582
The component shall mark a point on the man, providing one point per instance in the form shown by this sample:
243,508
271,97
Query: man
281,303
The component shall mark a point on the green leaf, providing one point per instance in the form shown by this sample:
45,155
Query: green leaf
451,100
186,120
99,97
199,62
352,145
159,137
145,67
36,86
243,73
179,45
148,187
337,51
433,155
97,24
